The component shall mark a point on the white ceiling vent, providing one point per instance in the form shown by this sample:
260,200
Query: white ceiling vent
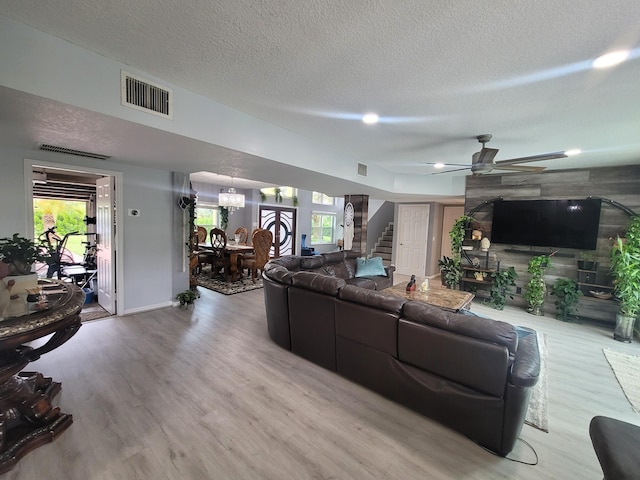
141,94
362,169
71,151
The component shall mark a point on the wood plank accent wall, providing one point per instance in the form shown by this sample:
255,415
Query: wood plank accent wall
621,184
360,221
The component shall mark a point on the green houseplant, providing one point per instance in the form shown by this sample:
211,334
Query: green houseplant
450,272
567,295
21,253
451,268
224,217
625,267
503,280
536,288
187,298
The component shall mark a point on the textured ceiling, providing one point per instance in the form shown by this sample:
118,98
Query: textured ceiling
438,72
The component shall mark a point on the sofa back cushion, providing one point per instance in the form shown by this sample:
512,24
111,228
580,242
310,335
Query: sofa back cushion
278,273
468,361
313,262
317,283
481,328
335,266
290,262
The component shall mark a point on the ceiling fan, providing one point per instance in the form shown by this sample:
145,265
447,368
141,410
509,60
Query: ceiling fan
482,161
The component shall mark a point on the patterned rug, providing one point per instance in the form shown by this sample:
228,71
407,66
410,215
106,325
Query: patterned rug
625,367
537,415
228,288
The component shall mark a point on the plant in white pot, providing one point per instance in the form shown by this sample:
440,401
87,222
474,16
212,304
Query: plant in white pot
625,267
19,254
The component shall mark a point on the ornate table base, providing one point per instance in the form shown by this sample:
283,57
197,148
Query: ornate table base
27,417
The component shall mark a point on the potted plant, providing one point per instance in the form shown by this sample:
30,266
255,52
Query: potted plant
625,267
567,296
224,217
20,254
187,298
586,261
450,273
451,268
536,288
503,280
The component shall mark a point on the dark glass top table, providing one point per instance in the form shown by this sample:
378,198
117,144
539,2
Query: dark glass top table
27,417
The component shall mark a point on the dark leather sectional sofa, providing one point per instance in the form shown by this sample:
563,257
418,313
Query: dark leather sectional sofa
470,373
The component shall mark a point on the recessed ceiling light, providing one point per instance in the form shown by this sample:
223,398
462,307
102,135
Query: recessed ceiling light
370,118
439,165
573,151
610,59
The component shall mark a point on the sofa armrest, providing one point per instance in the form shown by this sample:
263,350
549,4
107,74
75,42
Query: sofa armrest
525,370
390,269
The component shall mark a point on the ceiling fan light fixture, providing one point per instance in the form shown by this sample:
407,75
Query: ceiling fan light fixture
438,165
370,118
611,59
572,152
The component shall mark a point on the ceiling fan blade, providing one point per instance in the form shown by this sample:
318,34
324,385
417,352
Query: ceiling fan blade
449,171
486,155
519,168
447,164
533,158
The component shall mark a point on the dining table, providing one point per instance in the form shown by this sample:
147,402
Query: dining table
232,250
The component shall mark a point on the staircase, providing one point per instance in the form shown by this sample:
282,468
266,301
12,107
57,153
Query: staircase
384,245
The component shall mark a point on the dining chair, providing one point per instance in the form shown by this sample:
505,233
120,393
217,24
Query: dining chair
202,254
241,234
218,259
262,241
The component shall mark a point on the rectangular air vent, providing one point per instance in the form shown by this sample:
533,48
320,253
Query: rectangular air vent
141,94
70,151
362,169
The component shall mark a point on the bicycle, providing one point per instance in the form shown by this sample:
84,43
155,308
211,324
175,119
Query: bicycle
60,256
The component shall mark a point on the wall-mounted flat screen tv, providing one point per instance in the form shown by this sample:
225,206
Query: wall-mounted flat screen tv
547,223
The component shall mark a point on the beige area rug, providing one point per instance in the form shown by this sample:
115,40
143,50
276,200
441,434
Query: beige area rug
93,311
626,367
537,416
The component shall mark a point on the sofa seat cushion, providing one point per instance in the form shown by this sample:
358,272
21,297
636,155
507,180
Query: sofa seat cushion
367,283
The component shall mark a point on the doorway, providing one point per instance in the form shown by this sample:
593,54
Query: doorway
412,236
281,222
65,183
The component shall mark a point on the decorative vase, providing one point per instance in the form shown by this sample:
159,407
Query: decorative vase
624,328
536,310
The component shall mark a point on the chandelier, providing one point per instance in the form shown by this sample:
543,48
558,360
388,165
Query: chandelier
231,199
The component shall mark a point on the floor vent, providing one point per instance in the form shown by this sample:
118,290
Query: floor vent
70,151
141,94
362,169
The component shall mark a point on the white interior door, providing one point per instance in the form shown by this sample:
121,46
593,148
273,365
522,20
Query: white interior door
105,208
412,237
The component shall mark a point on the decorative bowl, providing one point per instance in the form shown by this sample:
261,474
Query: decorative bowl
602,295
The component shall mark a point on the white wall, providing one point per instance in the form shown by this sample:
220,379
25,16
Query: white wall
148,240
44,65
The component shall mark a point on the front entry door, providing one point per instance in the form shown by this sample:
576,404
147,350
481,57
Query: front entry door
281,222
413,232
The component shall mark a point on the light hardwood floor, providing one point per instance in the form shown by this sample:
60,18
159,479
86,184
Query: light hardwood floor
175,394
